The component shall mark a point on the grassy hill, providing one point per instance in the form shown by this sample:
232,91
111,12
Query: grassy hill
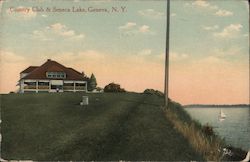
125,126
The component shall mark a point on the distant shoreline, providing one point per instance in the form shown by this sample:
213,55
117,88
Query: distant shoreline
215,106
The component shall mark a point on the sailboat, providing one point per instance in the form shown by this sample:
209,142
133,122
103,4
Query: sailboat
222,115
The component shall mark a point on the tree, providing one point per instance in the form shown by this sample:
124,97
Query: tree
112,87
92,83
83,74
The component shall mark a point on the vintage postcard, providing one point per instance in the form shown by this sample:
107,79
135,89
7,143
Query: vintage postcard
124,80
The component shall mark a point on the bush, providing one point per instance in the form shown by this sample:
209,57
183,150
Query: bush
153,92
208,130
99,89
233,154
112,87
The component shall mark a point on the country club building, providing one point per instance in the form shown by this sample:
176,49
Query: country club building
51,77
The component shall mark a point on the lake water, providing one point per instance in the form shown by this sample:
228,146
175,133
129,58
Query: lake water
235,128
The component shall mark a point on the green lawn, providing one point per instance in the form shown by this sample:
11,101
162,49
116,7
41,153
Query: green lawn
125,126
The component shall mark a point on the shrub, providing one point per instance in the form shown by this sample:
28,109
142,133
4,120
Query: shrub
153,92
202,138
99,89
233,154
208,130
112,87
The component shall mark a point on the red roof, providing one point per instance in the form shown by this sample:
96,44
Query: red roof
53,66
29,69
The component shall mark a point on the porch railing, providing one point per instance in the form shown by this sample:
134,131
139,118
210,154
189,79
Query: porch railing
47,87
80,88
43,87
30,87
68,87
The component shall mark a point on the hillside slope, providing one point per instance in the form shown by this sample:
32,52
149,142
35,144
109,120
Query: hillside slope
126,126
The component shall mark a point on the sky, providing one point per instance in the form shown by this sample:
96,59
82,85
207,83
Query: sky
124,42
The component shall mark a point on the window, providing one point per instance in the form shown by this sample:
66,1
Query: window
30,83
57,75
80,84
56,87
43,83
68,84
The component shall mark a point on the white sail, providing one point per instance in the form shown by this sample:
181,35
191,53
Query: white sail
222,114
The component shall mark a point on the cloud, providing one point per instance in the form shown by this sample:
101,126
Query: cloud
101,1
57,26
56,29
133,28
229,31
223,13
245,35
178,56
151,13
173,14
174,56
61,29
145,52
210,60
1,5
204,4
129,25
231,51
201,3
94,1
21,13
214,27
246,3
41,35
44,16
144,29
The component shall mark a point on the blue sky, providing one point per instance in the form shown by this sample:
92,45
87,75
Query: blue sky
209,43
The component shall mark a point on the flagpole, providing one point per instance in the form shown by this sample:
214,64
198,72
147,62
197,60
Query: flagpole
167,54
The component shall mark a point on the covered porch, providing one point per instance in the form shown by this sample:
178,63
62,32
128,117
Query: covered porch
52,86
75,86
35,85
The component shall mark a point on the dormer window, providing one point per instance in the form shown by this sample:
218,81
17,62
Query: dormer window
57,75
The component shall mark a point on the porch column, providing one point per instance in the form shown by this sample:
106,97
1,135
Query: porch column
37,86
86,88
21,86
49,86
74,86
